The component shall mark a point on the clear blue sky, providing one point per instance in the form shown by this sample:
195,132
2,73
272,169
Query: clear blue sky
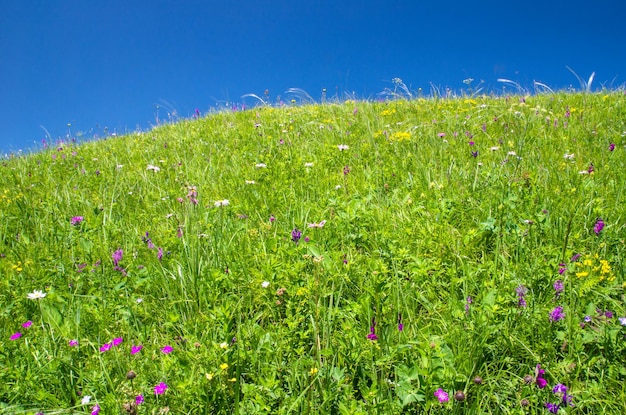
109,63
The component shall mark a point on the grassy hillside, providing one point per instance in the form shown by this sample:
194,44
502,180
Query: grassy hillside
425,256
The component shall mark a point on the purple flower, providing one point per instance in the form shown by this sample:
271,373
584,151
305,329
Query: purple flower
468,301
558,287
608,314
597,228
27,324
160,254
553,408
76,220
562,268
105,347
575,258
139,399
167,349
372,335
15,336
441,395
521,292
135,349
73,343
160,388
611,146
117,341
296,235
400,325
557,314
95,410
541,382
346,170
559,388
117,257
587,319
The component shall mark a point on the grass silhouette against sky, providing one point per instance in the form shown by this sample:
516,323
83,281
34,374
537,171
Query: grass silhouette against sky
115,66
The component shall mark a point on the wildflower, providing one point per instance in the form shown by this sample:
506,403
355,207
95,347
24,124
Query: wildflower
521,294
15,336
76,220
223,345
608,314
117,341
562,268
139,399
86,399
590,169
474,154
224,366
160,254
153,168
558,287
313,371
167,349
296,234
192,195
73,343
36,295
250,182
220,203
308,164
622,321
117,256
553,408
135,349
260,165
105,347
494,148
160,388
27,324
346,170
569,156
575,257
441,135
265,284
468,301
372,335
597,228
559,388
400,325
557,314
441,395
611,146
317,225
130,375
459,396
342,147
541,382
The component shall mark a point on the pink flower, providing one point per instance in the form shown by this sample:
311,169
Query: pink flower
441,395
160,388
76,220
27,324
16,336
73,343
117,341
139,399
105,347
167,349
135,349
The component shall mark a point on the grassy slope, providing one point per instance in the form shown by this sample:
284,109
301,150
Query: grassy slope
415,226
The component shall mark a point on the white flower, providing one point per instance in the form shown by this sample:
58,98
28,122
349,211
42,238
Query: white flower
338,187
308,164
511,153
224,345
494,148
342,147
260,165
265,284
583,172
250,182
119,166
139,300
224,202
86,399
622,321
153,168
317,225
36,295
568,156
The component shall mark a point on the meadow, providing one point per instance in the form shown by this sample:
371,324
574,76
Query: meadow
432,255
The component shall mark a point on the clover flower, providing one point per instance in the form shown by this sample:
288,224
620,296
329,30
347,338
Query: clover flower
76,220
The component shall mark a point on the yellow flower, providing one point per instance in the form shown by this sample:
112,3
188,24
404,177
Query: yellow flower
224,366
582,274
313,371
401,136
209,376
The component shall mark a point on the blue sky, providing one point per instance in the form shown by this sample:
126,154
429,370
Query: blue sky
110,63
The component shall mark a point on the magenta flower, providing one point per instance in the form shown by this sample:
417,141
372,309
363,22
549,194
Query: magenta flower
27,324
296,234
441,395
105,347
160,254
135,349
558,287
541,382
552,408
16,336
557,314
372,335
597,228
521,294
160,388
73,343
117,341
95,410
76,220
139,399
167,349
117,257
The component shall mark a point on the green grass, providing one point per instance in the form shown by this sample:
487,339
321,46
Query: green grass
436,213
